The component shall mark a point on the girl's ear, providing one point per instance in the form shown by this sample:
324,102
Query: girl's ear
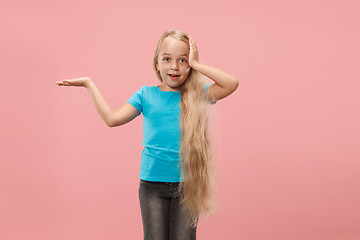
157,66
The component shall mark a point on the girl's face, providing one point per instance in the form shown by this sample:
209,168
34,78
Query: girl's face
173,60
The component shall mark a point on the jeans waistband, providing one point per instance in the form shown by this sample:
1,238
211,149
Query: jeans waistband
169,183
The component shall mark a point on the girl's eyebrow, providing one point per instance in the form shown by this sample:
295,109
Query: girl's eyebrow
170,54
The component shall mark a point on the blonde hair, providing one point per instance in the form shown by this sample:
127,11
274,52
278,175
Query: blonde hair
196,191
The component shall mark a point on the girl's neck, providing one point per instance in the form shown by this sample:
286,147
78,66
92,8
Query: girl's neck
167,89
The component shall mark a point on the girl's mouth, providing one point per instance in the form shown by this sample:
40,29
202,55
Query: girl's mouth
173,76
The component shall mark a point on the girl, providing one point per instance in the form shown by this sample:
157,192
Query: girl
175,173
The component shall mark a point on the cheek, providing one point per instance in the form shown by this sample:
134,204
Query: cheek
187,71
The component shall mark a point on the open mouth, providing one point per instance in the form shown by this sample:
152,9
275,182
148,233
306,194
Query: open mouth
173,76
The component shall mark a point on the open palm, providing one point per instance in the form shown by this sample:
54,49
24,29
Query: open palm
82,81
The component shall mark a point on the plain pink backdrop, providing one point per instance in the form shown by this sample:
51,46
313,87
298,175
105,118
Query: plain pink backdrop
286,142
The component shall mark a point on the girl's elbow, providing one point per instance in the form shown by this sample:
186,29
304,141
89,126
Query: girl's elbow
235,83
109,124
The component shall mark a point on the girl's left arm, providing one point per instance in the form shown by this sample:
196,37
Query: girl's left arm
225,83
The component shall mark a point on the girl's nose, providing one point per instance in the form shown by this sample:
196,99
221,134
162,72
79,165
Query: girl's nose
174,65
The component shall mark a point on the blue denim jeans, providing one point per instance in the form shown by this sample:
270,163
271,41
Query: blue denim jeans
162,214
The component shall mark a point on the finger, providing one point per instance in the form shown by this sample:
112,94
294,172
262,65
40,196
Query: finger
193,45
64,83
190,39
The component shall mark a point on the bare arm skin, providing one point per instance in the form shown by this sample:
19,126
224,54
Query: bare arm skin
225,83
112,118
124,114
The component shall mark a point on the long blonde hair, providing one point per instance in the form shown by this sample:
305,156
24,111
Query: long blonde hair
196,191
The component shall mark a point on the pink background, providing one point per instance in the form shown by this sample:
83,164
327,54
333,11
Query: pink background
286,142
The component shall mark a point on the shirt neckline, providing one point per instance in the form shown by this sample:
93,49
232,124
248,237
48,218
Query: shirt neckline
166,91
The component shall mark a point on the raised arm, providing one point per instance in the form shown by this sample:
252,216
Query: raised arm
112,118
225,83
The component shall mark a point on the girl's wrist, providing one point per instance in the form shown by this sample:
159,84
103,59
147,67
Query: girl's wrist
194,65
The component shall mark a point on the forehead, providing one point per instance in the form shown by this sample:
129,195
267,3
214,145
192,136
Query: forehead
174,47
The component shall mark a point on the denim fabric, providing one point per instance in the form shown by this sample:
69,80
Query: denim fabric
162,214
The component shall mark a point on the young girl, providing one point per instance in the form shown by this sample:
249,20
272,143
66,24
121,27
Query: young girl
175,173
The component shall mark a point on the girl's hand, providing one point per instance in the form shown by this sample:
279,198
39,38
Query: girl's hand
82,82
194,54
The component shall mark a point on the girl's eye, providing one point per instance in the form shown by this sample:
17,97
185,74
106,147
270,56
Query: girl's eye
183,59
166,58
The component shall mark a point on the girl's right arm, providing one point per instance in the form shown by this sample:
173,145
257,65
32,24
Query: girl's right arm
112,118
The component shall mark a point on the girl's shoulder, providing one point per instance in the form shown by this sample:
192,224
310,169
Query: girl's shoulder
146,87
146,90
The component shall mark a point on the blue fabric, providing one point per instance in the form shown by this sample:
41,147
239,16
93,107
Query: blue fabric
161,133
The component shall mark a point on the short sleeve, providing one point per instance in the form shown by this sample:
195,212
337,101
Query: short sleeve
137,99
206,90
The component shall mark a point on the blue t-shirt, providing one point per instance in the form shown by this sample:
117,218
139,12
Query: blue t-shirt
161,133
